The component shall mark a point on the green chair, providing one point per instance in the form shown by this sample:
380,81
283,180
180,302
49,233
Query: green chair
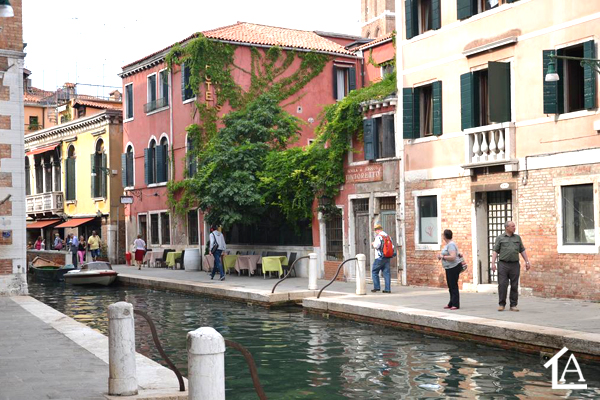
271,264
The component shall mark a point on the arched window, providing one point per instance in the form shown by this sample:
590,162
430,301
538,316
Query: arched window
162,161
192,164
127,171
377,31
99,171
156,161
150,163
70,174
27,177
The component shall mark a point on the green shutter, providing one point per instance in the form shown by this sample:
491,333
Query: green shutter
511,1
104,177
407,113
467,94
499,91
161,162
416,113
436,13
335,88
94,174
389,139
148,162
436,91
589,76
464,9
351,79
370,145
70,178
183,81
553,93
410,20
130,181
124,169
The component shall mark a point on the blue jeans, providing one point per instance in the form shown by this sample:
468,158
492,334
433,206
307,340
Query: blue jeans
95,253
218,264
381,264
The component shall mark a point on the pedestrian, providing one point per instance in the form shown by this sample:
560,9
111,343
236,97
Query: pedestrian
94,245
217,246
74,248
453,266
381,262
39,243
81,249
58,242
507,248
140,251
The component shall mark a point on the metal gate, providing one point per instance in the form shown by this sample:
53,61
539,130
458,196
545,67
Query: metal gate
361,230
387,206
499,210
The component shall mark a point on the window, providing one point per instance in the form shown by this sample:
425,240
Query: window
379,137
80,111
344,80
192,222
422,108
48,163
164,88
422,16
151,88
578,215
576,88
186,90
127,173
34,123
192,163
428,219
162,153
335,238
154,229
27,177
99,171
156,162
165,228
70,178
129,101
143,226
56,170
485,96
39,174
468,8
387,69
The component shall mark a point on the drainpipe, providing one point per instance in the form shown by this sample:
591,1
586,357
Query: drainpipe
172,169
400,140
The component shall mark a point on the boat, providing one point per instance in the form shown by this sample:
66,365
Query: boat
46,270
92,273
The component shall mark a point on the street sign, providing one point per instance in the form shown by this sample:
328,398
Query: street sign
126,199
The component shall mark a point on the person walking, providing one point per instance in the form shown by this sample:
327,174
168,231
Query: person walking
217,246
94,244
507,248
381,262
81,249
140,251
74,249
58,242
453,266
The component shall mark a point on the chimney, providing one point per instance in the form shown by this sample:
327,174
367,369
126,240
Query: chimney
115,95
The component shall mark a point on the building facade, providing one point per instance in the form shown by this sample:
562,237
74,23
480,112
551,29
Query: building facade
486,139
377,17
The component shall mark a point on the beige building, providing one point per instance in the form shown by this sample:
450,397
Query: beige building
487,139
377,17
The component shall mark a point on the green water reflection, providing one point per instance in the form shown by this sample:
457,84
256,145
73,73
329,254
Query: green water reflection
302,356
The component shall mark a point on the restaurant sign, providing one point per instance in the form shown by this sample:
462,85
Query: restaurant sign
364,173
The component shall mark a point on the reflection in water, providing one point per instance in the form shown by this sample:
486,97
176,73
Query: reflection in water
303,356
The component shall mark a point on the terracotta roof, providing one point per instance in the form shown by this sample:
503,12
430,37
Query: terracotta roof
245,32
35,95
375,42
107,105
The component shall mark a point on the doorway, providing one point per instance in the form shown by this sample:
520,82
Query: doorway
361,230
387,205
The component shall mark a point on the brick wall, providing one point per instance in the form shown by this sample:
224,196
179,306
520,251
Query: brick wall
330,269
58,257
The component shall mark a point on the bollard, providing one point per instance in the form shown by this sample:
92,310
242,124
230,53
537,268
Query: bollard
121,350
361,278
312,272
206,364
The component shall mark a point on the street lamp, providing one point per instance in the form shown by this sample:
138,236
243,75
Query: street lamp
552,75
6,10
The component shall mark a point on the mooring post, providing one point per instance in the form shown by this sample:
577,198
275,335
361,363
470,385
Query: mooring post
206,364
312,271
122,379
361,278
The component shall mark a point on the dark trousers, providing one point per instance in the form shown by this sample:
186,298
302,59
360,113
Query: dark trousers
218,265
508,271
452,275
75,255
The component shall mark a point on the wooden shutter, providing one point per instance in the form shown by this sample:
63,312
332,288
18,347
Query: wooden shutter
335,88
70,178
416,113
436,92
410,19
511,1
499,91
370,144
589,76
124,169
130,181
104,176
464,8
161,162
148,166
94,172
553,93
351,79
436,14
407,113
467,101
389,140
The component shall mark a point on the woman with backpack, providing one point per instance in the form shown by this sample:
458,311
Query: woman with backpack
384,249
453,266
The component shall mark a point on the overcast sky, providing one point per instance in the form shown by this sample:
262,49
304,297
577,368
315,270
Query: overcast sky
89,41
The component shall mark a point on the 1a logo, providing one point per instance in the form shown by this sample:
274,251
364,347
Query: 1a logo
561,383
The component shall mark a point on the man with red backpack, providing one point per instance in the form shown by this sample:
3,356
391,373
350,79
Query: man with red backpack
384,249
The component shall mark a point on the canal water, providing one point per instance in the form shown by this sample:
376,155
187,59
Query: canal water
302,356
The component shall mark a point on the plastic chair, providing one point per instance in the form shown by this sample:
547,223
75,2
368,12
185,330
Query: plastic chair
160,262
180,261
291,260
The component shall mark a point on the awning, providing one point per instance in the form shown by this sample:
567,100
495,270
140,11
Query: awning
74,222
42,149
42,223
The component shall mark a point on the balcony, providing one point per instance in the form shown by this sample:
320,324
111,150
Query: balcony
51,202
156,104
491,145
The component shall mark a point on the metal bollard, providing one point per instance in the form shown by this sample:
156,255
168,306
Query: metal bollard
361,278
121,350
312,272
206,364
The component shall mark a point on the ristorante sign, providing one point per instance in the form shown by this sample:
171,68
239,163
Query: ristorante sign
364,173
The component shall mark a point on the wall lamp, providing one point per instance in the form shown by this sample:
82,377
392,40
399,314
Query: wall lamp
6,9
552,75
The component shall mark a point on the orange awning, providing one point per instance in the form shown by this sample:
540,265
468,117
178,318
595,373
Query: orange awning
74,222
42,224
42,149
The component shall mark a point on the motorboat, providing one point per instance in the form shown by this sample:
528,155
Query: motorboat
92,273
46,270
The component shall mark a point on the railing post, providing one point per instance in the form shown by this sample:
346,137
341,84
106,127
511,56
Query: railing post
361,278
121,350
312,272
206,364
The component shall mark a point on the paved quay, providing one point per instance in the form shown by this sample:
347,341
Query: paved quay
46,355
542,325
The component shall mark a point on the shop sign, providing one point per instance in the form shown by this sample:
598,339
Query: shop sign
364,173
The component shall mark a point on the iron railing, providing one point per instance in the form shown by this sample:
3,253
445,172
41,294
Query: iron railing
336,275
156,104
251,365
289,272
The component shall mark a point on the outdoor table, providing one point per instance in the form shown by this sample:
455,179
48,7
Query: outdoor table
247,262
208,262
152,256
172,256
229,262
147,258
273,263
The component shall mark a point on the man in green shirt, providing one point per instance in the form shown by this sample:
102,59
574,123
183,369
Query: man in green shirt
507,248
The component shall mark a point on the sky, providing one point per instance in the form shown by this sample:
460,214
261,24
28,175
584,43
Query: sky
88,42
